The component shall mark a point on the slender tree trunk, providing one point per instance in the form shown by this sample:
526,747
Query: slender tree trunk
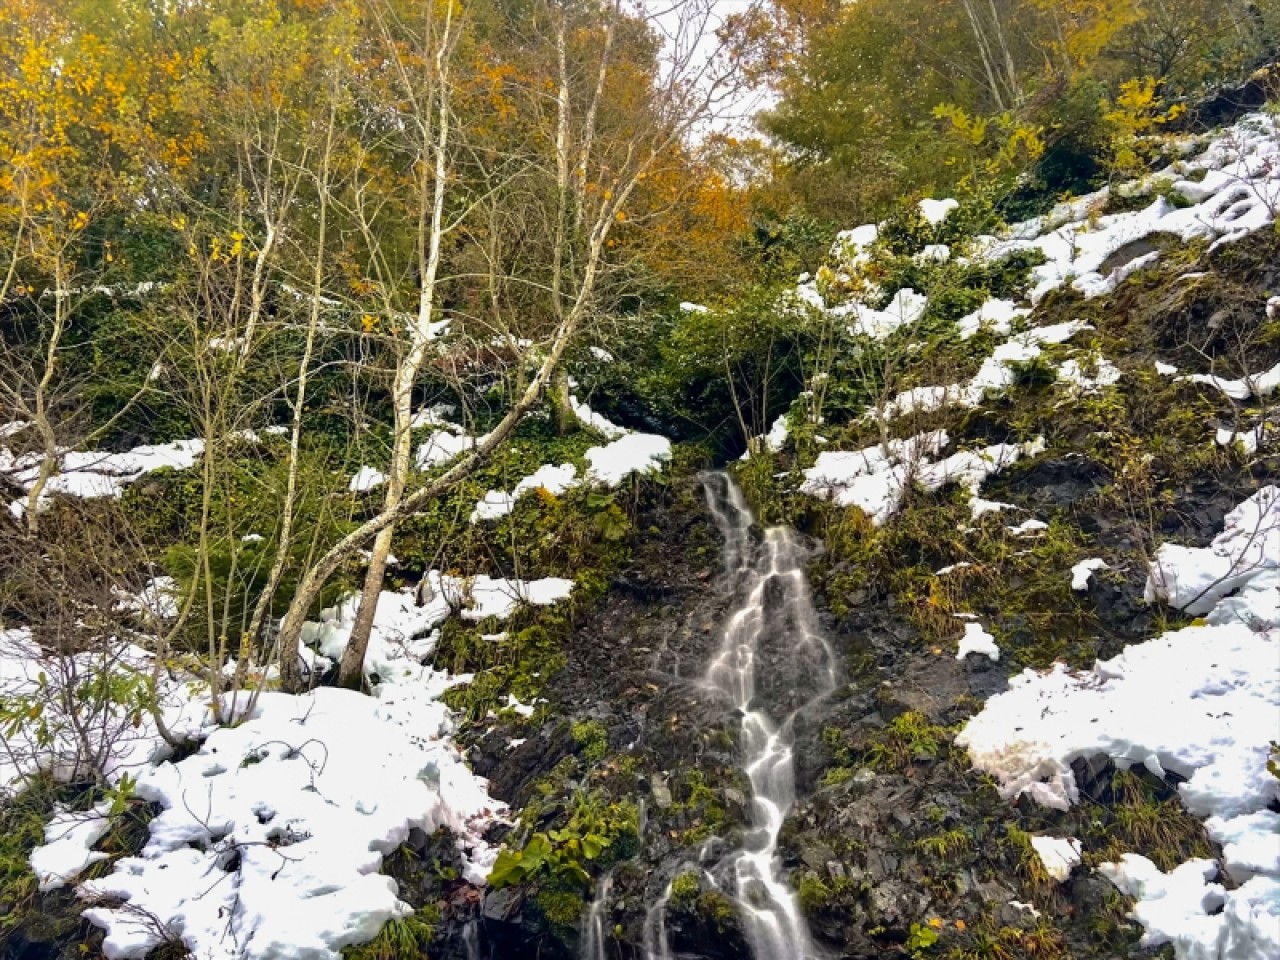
285,541
431,232
984,51
1011,71
40,411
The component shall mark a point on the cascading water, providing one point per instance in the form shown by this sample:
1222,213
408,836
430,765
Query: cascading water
593,927
771,654
471,939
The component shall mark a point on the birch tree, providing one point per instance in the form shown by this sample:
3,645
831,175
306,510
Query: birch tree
596,158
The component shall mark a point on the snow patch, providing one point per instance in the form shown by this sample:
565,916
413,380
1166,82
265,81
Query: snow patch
552,479
977,640
1060,855
1194,579
1199,703
1083,572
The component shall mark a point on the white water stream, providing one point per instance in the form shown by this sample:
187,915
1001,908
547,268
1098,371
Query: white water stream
772,661
771,640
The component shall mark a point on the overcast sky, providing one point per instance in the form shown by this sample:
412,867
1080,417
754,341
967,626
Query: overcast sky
666,16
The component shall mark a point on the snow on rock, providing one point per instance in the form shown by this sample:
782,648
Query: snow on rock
632,453
1250,844
936,211
1260,385
995,315
278,808
875,479
1060,855
435,415
1029,528
481,596
596,421
933,253
903,310
1074,374
1249,440
776,438
773,441
1083,572
1238,195
1199,702
970,468
1194,578
367,478
997,373
498,503
1166,369
442,446
977,640
1201,919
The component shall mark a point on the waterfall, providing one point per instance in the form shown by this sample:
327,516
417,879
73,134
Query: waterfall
655,929
593,933
471,939
772,656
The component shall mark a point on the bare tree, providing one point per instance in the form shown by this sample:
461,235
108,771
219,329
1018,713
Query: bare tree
690,88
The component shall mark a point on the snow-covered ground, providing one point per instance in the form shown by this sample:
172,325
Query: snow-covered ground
1200,702
626,453
272,834
91,473
876,478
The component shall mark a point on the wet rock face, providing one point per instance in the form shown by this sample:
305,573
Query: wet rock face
634,666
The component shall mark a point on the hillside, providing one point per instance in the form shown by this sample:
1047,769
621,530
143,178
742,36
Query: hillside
447,514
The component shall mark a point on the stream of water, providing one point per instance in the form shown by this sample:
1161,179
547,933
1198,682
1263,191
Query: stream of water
772,662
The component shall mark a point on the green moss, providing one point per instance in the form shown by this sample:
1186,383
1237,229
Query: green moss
684,890
701,805
813,893
908,739
718,910
836,776
406,939
593,738
947,844
561,908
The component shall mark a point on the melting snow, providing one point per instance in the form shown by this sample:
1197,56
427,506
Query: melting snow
1200,703
1249,440
1060,855
1194,579
876,478
994,315
633,453
977,640
1083,572
367,478
936,211
95,473
498,503
997,373
1238,195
